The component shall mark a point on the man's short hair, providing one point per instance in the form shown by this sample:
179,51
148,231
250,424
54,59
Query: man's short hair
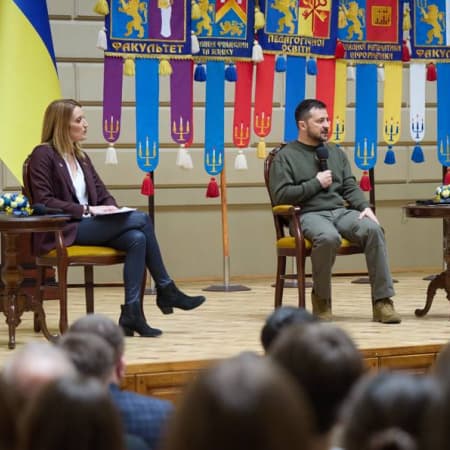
104,327
34,365
325,362
303,110
90,354
279,319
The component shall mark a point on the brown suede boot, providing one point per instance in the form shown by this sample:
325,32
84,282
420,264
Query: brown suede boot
321,307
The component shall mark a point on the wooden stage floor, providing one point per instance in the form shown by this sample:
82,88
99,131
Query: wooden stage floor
231,322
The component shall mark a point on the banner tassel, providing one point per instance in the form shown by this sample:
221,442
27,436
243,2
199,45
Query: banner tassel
280,63
431,72
417,155
260,20
257,52
390,156
102,43
261,149
200,73
101,7
240,163
364,183
230,73
311,66
111,155
164,67
147,187
129,68
195,46
212,190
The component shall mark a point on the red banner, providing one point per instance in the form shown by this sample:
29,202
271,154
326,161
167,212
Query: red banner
382,20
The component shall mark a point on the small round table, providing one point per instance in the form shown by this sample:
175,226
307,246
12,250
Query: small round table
441,281
14,302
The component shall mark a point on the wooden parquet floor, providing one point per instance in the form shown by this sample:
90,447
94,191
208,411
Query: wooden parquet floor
231,322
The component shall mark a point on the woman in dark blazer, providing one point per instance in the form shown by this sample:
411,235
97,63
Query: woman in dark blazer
62,176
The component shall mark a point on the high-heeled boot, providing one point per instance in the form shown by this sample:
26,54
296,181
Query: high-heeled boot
132,320
169,297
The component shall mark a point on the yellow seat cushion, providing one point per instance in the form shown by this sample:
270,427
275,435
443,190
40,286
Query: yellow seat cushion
87,250
289,242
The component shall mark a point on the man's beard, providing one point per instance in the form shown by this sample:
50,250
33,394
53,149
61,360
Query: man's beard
319,137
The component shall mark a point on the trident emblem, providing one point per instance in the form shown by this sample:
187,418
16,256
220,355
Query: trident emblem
366,155
212,162
241,134
181,130
147,156
338,129
417,127
445,152
112,129
262,124
391,130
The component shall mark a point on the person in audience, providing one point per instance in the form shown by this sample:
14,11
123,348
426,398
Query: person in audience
63,177
242,403
143,416
316,175
279,319
72,414
9,417
31,367
387,411
325,362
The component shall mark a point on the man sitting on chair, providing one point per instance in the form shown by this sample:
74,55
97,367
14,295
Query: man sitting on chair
316,175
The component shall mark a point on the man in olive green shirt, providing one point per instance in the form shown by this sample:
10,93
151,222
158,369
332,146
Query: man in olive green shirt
323,185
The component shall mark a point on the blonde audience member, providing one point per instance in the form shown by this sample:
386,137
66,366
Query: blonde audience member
243,403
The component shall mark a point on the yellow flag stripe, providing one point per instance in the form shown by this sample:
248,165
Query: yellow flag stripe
392,102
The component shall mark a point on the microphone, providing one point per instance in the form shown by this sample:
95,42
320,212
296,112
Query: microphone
40,209
322,154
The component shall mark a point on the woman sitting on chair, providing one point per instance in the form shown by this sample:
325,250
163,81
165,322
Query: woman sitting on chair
63,177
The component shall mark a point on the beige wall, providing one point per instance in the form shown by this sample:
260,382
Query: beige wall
188,224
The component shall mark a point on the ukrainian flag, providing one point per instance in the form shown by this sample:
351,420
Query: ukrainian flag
28,78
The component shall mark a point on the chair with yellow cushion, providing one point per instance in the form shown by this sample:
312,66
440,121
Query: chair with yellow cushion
293,245
63,257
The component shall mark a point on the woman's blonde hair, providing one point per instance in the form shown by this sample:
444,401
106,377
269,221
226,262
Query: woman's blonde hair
56,126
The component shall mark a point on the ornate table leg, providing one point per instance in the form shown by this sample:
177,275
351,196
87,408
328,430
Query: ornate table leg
441,281
12,276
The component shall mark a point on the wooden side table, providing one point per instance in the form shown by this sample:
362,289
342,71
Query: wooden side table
14,302
441,281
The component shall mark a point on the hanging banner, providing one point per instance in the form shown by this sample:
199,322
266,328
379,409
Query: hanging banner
149,28
225,29
303,28
370,30
430,37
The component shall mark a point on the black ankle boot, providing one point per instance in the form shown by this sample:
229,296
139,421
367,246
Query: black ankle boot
131,320
169,297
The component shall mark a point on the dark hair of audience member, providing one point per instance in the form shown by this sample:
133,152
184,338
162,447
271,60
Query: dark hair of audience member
9,415
243,403
280,318
324,361
72,414
387,407
89,353
104,327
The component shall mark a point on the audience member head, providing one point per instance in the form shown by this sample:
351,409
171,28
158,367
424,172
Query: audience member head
107,329
90,354
29,368
325,362
280,318
72,414
386,411
244,403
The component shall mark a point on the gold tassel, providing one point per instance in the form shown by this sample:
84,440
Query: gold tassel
195,11
101,7
261,149
164,67
260,20
129,67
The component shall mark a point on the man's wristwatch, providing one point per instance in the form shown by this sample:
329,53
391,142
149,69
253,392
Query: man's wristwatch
86,211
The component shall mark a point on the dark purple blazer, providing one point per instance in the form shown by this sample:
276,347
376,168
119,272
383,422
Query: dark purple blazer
52,186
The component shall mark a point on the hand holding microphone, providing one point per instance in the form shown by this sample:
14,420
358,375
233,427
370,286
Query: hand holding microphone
324,175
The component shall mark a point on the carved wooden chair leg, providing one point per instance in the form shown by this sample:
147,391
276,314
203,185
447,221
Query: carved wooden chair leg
301,281
62,283
39,294
89,288
279,284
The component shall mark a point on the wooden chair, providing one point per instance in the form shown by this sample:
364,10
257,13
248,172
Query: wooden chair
63,257
296,246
